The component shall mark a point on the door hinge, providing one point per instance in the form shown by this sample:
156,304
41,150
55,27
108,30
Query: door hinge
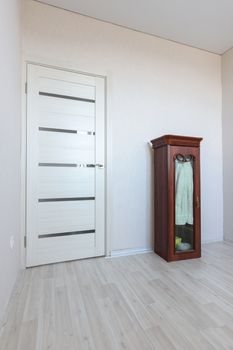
26,88
25,241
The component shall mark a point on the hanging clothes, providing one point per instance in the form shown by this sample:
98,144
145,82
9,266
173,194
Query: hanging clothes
184,192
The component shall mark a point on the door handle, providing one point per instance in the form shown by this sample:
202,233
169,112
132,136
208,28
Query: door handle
99,166
197,202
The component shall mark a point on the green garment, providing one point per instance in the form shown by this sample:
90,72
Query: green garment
184,193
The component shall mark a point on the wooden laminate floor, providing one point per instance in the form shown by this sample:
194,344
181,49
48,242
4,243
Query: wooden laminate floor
135,302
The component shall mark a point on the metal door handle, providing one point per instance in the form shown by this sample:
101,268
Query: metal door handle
100,166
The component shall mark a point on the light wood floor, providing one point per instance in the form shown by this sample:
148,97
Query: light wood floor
136,302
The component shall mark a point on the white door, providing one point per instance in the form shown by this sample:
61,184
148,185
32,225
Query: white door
65,216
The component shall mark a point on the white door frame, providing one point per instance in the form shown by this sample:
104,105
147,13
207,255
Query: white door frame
38,62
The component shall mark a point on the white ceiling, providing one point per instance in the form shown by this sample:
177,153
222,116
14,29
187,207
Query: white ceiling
205,24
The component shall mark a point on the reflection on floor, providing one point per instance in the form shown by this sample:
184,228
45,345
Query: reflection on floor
136,302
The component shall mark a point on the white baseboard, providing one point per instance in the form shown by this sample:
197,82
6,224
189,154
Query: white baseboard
125,252
212,240
228,240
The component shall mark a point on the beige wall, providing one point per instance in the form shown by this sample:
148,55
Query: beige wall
154,87
227,118
10,67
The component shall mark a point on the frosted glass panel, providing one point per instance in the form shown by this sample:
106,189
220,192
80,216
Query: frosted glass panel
184,220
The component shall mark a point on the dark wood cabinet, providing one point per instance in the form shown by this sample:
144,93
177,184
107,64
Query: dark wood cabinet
177,197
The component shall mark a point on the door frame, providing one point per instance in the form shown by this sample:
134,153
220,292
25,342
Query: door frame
37,62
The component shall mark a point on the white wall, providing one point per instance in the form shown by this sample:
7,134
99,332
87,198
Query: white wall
227,118
154,87
10,67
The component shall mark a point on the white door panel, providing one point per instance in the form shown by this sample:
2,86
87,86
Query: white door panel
61,248
67,121
65,156
62,244
66,147
59,217
65,140
65,188
66,182
59,105
65,88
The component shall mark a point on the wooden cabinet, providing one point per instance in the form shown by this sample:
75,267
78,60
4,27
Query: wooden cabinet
177,197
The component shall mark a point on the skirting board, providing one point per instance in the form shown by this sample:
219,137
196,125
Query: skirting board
212,240
228,240
125,252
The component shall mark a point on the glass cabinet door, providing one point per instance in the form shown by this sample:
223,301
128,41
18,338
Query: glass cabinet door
184,203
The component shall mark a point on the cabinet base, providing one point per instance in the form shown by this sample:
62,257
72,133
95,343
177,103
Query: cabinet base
180,256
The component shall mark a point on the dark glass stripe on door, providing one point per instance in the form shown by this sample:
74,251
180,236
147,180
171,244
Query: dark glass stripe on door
61,234
48,94
41,200
70,165
67,131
